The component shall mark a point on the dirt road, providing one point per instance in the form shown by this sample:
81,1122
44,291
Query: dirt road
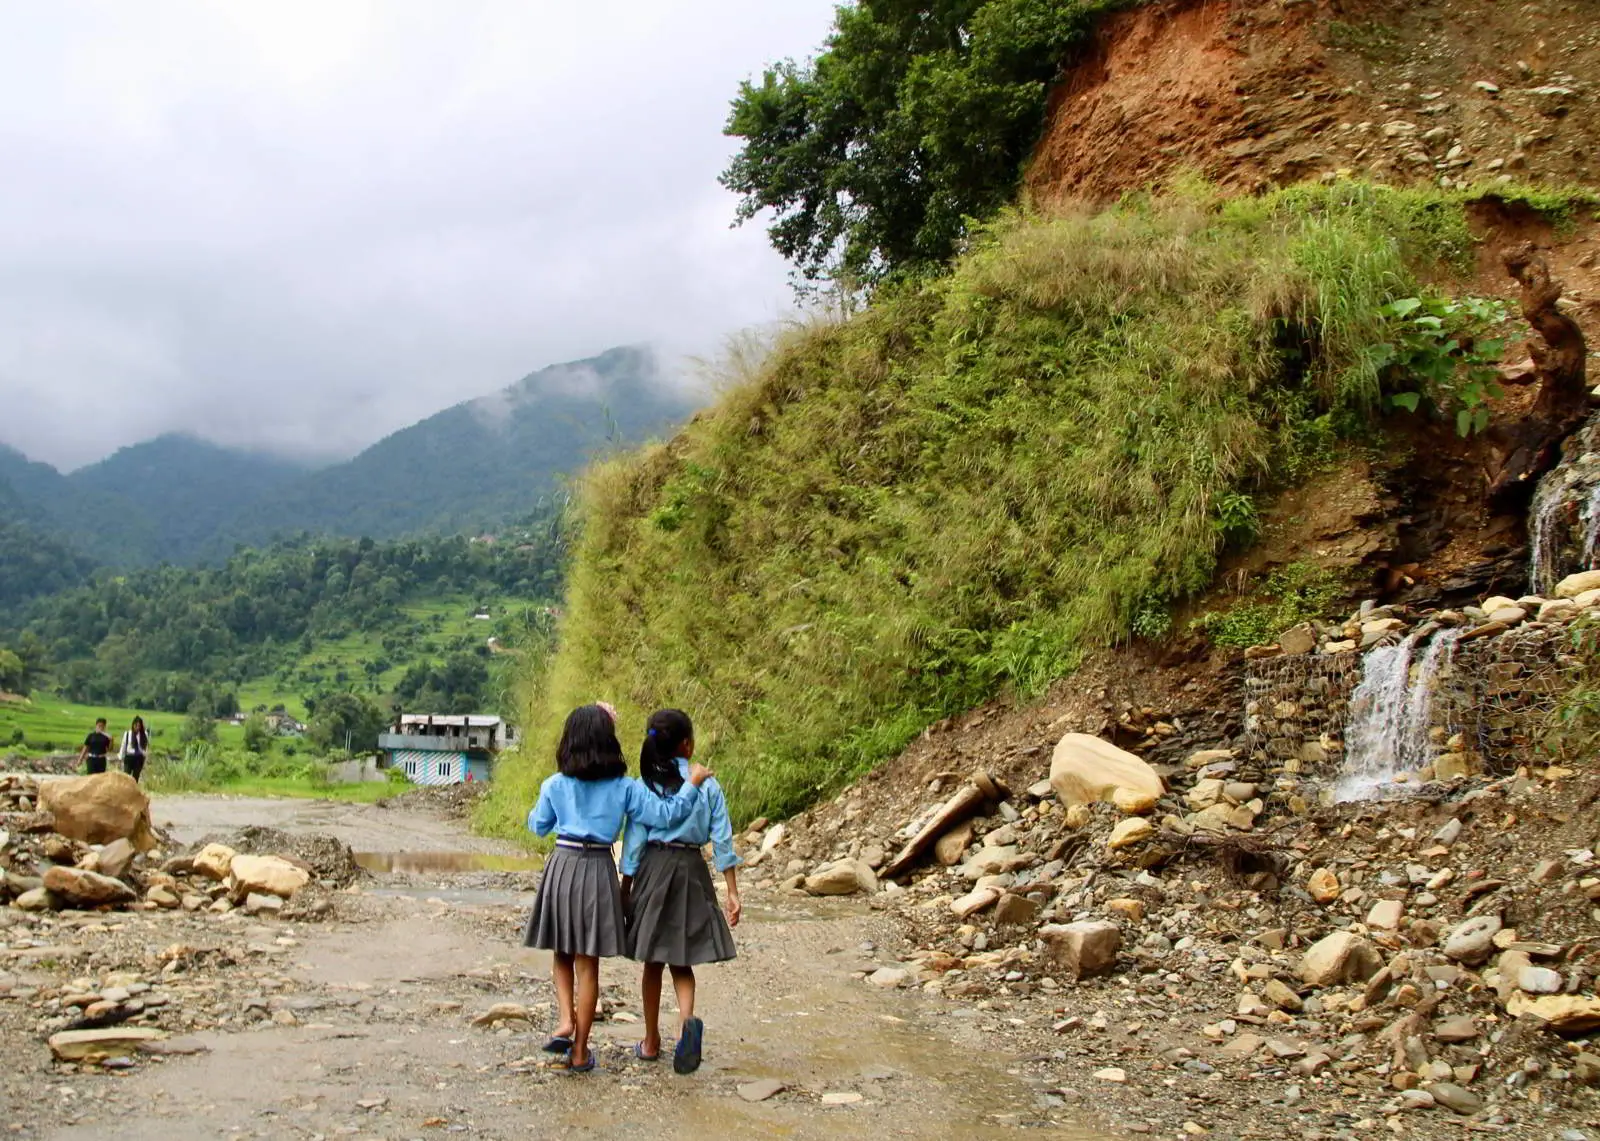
359,1025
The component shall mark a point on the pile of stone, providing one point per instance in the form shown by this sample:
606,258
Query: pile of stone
1412,954
87,843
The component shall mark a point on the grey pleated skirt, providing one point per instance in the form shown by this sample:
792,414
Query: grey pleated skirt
673,915
578,910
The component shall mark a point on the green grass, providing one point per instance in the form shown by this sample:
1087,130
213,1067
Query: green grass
298,788
50,724
964,488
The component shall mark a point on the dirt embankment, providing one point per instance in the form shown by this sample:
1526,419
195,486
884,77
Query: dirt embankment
1253,94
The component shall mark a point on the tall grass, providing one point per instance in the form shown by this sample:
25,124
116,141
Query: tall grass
962,488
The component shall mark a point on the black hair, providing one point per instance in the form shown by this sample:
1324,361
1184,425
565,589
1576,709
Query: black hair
589,748
141,735
99,720
665,733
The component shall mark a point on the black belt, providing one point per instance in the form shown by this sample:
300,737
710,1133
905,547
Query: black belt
581,845
680,845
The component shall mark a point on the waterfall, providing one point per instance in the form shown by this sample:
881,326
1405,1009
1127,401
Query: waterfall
1419,698
1374,740
1545,541
1591,527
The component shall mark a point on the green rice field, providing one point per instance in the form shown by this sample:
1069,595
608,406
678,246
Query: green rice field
49,724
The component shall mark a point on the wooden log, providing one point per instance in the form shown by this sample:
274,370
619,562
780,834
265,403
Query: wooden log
981,790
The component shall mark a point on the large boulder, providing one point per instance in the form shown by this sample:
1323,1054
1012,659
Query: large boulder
1085,769
1576,584
1082,949
266,875
99,809
81,888
842,877
1339,958
214,861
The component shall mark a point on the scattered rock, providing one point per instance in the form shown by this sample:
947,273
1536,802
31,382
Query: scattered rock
1082,949
761,1089
91,1045
1455,1098
1472,942
87,889
1323,886
1339,958
1134,830
842,877
99,809
214,861
503,1012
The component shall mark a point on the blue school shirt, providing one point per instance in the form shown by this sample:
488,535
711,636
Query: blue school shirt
707,823
593,810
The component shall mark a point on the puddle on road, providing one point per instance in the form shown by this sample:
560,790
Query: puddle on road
446,863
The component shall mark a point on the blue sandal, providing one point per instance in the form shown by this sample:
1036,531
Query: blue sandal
566,1065
638,1052
558,1044
686,1057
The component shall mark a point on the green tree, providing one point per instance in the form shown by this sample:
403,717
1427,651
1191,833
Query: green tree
13,675
257,733
198,727
915,118
347,717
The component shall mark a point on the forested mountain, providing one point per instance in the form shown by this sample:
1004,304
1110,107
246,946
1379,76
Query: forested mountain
474,467
171,638
183,491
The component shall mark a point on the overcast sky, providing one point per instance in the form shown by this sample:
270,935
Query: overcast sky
302,225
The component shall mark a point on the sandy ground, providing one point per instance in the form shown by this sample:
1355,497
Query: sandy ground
369,1032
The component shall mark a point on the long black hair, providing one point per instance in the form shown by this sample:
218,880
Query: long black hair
141,736
589,748
665,733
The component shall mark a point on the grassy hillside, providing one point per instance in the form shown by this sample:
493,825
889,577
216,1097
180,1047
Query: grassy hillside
965,486
54,725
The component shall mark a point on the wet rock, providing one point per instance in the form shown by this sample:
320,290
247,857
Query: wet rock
116,858
952,846
1472,942
1015,911
838,878
1323,886
503,1012
761,1090
87,889
1085,769
1339,958
89,1045
1134,830
1082,949
1455,1098
974,901
1565,1013
214,861
1576,584
99,809
1301,639
266,875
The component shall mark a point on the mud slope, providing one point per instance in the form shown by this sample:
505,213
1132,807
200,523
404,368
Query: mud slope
1253,93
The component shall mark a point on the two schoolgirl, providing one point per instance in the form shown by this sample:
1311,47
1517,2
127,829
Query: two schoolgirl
579,912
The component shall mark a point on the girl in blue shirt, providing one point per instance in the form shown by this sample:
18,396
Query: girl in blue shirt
577,913
670,904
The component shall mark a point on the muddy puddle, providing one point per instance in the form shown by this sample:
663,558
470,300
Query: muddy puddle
446,863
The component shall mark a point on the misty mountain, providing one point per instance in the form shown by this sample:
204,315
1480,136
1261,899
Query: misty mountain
472,467
481,463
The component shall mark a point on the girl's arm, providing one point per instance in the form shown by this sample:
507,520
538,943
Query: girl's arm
633,841
731,907
645,807
542,820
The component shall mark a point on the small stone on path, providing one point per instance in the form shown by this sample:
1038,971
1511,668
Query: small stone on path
761,1090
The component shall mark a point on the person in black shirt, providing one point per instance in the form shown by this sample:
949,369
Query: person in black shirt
95,747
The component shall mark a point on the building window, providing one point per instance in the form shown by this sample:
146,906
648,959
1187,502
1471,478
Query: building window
444,768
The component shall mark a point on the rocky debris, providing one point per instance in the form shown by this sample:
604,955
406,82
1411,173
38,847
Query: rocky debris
96,1045
842,877
329,860
265,875
761,1090
99,809
1082,950
75,887
503,1012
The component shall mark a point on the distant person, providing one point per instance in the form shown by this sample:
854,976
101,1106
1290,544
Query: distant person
135,746
95,747
667,896
578,911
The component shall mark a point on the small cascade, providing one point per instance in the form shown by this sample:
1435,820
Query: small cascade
1374,741
1591,527
1423,688
1564,517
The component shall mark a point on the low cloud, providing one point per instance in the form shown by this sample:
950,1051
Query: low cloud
300,226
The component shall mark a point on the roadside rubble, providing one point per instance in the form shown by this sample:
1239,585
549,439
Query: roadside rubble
1211,943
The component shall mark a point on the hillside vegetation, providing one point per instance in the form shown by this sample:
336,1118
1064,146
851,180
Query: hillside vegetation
981,476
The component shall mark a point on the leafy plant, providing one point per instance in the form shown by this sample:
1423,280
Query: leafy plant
1289,595
1440,345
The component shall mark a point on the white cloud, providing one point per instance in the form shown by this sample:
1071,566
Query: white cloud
303,225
